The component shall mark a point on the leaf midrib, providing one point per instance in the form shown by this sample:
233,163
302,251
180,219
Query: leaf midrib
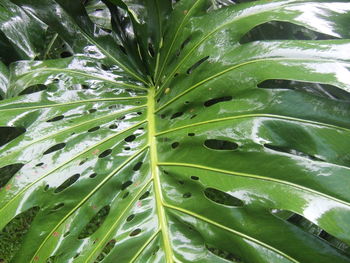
155,175
163,228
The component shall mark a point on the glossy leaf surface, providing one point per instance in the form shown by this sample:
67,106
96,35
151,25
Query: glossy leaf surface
178,131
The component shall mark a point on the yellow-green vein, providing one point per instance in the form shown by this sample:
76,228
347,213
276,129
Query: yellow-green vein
144,246
155,175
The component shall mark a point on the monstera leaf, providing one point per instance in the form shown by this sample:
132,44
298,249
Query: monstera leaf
175,131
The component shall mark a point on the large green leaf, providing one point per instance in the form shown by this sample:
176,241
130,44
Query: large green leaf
180,131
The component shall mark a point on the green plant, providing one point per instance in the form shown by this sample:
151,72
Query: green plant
175,131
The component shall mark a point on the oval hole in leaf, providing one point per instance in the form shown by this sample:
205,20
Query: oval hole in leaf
175,145
8,171
185,42
71,180
278,30
183,45
130,217
94,129
55,148
187,195
135,232
95,222
57,118
8,134
211,102
93,175
145,195
83,161
137,166
106,250
313,88
222,198
196,65
130,138
125,195
176,115
105,153
126,185
220,145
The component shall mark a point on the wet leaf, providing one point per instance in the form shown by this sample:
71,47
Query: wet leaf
175,131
